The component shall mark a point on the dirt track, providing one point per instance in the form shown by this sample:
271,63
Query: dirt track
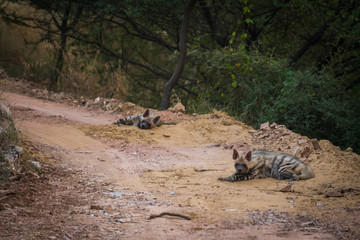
101,181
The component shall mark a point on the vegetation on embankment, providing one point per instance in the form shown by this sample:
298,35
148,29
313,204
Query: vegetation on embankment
292,62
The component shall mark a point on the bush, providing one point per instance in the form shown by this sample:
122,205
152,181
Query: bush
255,88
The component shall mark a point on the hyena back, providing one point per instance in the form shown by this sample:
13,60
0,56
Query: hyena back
262,164
145,120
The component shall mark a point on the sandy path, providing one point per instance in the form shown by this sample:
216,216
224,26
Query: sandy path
138,173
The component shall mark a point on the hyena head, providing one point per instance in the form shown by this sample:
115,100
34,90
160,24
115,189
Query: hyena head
147,121
241,162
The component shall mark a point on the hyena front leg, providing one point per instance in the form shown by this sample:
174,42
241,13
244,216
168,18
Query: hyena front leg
232,178
287,175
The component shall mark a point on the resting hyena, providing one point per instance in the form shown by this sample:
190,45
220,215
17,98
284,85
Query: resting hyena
262,164
145,120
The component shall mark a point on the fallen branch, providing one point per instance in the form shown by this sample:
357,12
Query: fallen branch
152,216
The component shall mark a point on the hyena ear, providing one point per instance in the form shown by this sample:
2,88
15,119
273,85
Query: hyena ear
146,113
235,154
248,156
156,120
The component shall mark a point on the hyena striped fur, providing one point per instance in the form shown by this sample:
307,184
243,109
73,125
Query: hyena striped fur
263,164
145,120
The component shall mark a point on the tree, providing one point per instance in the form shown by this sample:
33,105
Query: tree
55,20
165,103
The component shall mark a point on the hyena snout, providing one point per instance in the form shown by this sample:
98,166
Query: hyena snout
144,125
240,168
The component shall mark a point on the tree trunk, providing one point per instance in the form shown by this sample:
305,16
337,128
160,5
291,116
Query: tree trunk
311,41
165,102
59,58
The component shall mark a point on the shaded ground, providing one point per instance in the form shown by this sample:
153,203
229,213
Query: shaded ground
101,181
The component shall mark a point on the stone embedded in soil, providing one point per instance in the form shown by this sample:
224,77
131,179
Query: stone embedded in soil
306,152
333,194
96,207
97,100
265,126
302,141
286,188
316,144
36,164
213,145
349,149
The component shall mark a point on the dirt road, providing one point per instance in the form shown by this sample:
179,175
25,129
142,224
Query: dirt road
100,181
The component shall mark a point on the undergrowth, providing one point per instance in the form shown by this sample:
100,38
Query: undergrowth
255,88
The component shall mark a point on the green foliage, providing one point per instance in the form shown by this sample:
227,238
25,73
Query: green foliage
256,88
129,49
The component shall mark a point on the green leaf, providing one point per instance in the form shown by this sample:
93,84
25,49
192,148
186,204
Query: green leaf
229,66
233,76
248,20
233,34
231,41
246,10
234,83
238,21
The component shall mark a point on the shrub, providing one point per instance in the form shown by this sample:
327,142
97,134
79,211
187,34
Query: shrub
255,88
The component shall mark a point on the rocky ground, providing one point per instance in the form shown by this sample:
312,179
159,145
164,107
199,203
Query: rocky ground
100,181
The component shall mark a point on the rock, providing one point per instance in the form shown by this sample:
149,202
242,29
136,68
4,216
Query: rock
97,100
302,141
228,146
5,110
273,125
96,207
349,149
286,188
333,194
213,145
36,164
165,135
296,150
13,154
33,174
178,108
306,152
2,130
316,144
108,208
265,126
4,206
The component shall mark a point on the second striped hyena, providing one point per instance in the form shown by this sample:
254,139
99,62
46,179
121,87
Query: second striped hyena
145,120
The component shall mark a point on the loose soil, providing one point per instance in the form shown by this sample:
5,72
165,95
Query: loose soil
101,181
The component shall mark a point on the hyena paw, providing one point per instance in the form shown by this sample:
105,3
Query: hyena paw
293,178
223,179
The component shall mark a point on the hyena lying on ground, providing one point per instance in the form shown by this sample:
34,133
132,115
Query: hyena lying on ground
145,120
262,164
